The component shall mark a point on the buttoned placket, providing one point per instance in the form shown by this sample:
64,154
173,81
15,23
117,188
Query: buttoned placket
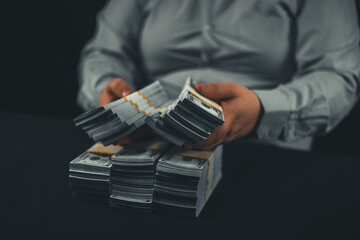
206,31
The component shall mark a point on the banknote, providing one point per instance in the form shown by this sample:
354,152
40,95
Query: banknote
185,180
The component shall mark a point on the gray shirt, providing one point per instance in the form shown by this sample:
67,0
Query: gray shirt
301,58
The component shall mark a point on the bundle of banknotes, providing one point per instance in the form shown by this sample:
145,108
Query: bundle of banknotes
132,175
190,118
146,176
185,180
89,174
113,121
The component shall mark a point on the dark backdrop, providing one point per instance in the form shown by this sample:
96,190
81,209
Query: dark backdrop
40,45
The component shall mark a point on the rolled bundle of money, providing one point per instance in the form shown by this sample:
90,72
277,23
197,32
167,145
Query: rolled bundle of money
113,121
132,175
185,180
89,173
191,118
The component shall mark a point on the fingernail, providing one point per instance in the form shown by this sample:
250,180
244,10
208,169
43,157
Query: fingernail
198,87
125,93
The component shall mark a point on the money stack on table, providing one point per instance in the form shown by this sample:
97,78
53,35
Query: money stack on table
185,180
89,173
146,176
132,175
190,118
157,175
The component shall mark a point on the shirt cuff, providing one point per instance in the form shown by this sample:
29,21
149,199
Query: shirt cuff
276,108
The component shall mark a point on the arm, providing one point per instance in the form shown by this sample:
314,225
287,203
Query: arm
321,93
326,85
110,54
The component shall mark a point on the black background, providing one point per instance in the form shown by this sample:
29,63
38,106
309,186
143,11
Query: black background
40,45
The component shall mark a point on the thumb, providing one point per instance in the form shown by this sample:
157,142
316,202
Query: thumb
119,88
217,90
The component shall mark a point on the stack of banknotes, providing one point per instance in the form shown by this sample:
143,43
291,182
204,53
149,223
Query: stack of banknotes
89,173
132,175
190,118
185,180
146,176
113,121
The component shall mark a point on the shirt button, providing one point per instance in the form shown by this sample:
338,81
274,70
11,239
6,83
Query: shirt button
207,27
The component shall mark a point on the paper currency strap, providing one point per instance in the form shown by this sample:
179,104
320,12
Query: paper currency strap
208,101
148,102
206,155
100,148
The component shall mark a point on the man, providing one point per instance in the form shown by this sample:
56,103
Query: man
283,70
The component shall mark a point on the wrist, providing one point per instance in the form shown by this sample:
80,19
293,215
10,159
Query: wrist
253,132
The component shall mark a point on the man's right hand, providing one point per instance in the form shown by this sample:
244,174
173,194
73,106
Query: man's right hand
115,89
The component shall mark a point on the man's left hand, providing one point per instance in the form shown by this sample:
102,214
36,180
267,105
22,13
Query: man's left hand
241,107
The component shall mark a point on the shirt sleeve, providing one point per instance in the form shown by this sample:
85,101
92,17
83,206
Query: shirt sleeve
111,52
326,84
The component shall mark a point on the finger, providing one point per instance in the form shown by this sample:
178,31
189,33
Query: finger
218,90
220,135
210,147
124,141
119,88
188,146
115,89
106,98
214,138
194,146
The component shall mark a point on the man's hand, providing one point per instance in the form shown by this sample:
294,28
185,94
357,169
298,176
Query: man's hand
115,89
241,108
